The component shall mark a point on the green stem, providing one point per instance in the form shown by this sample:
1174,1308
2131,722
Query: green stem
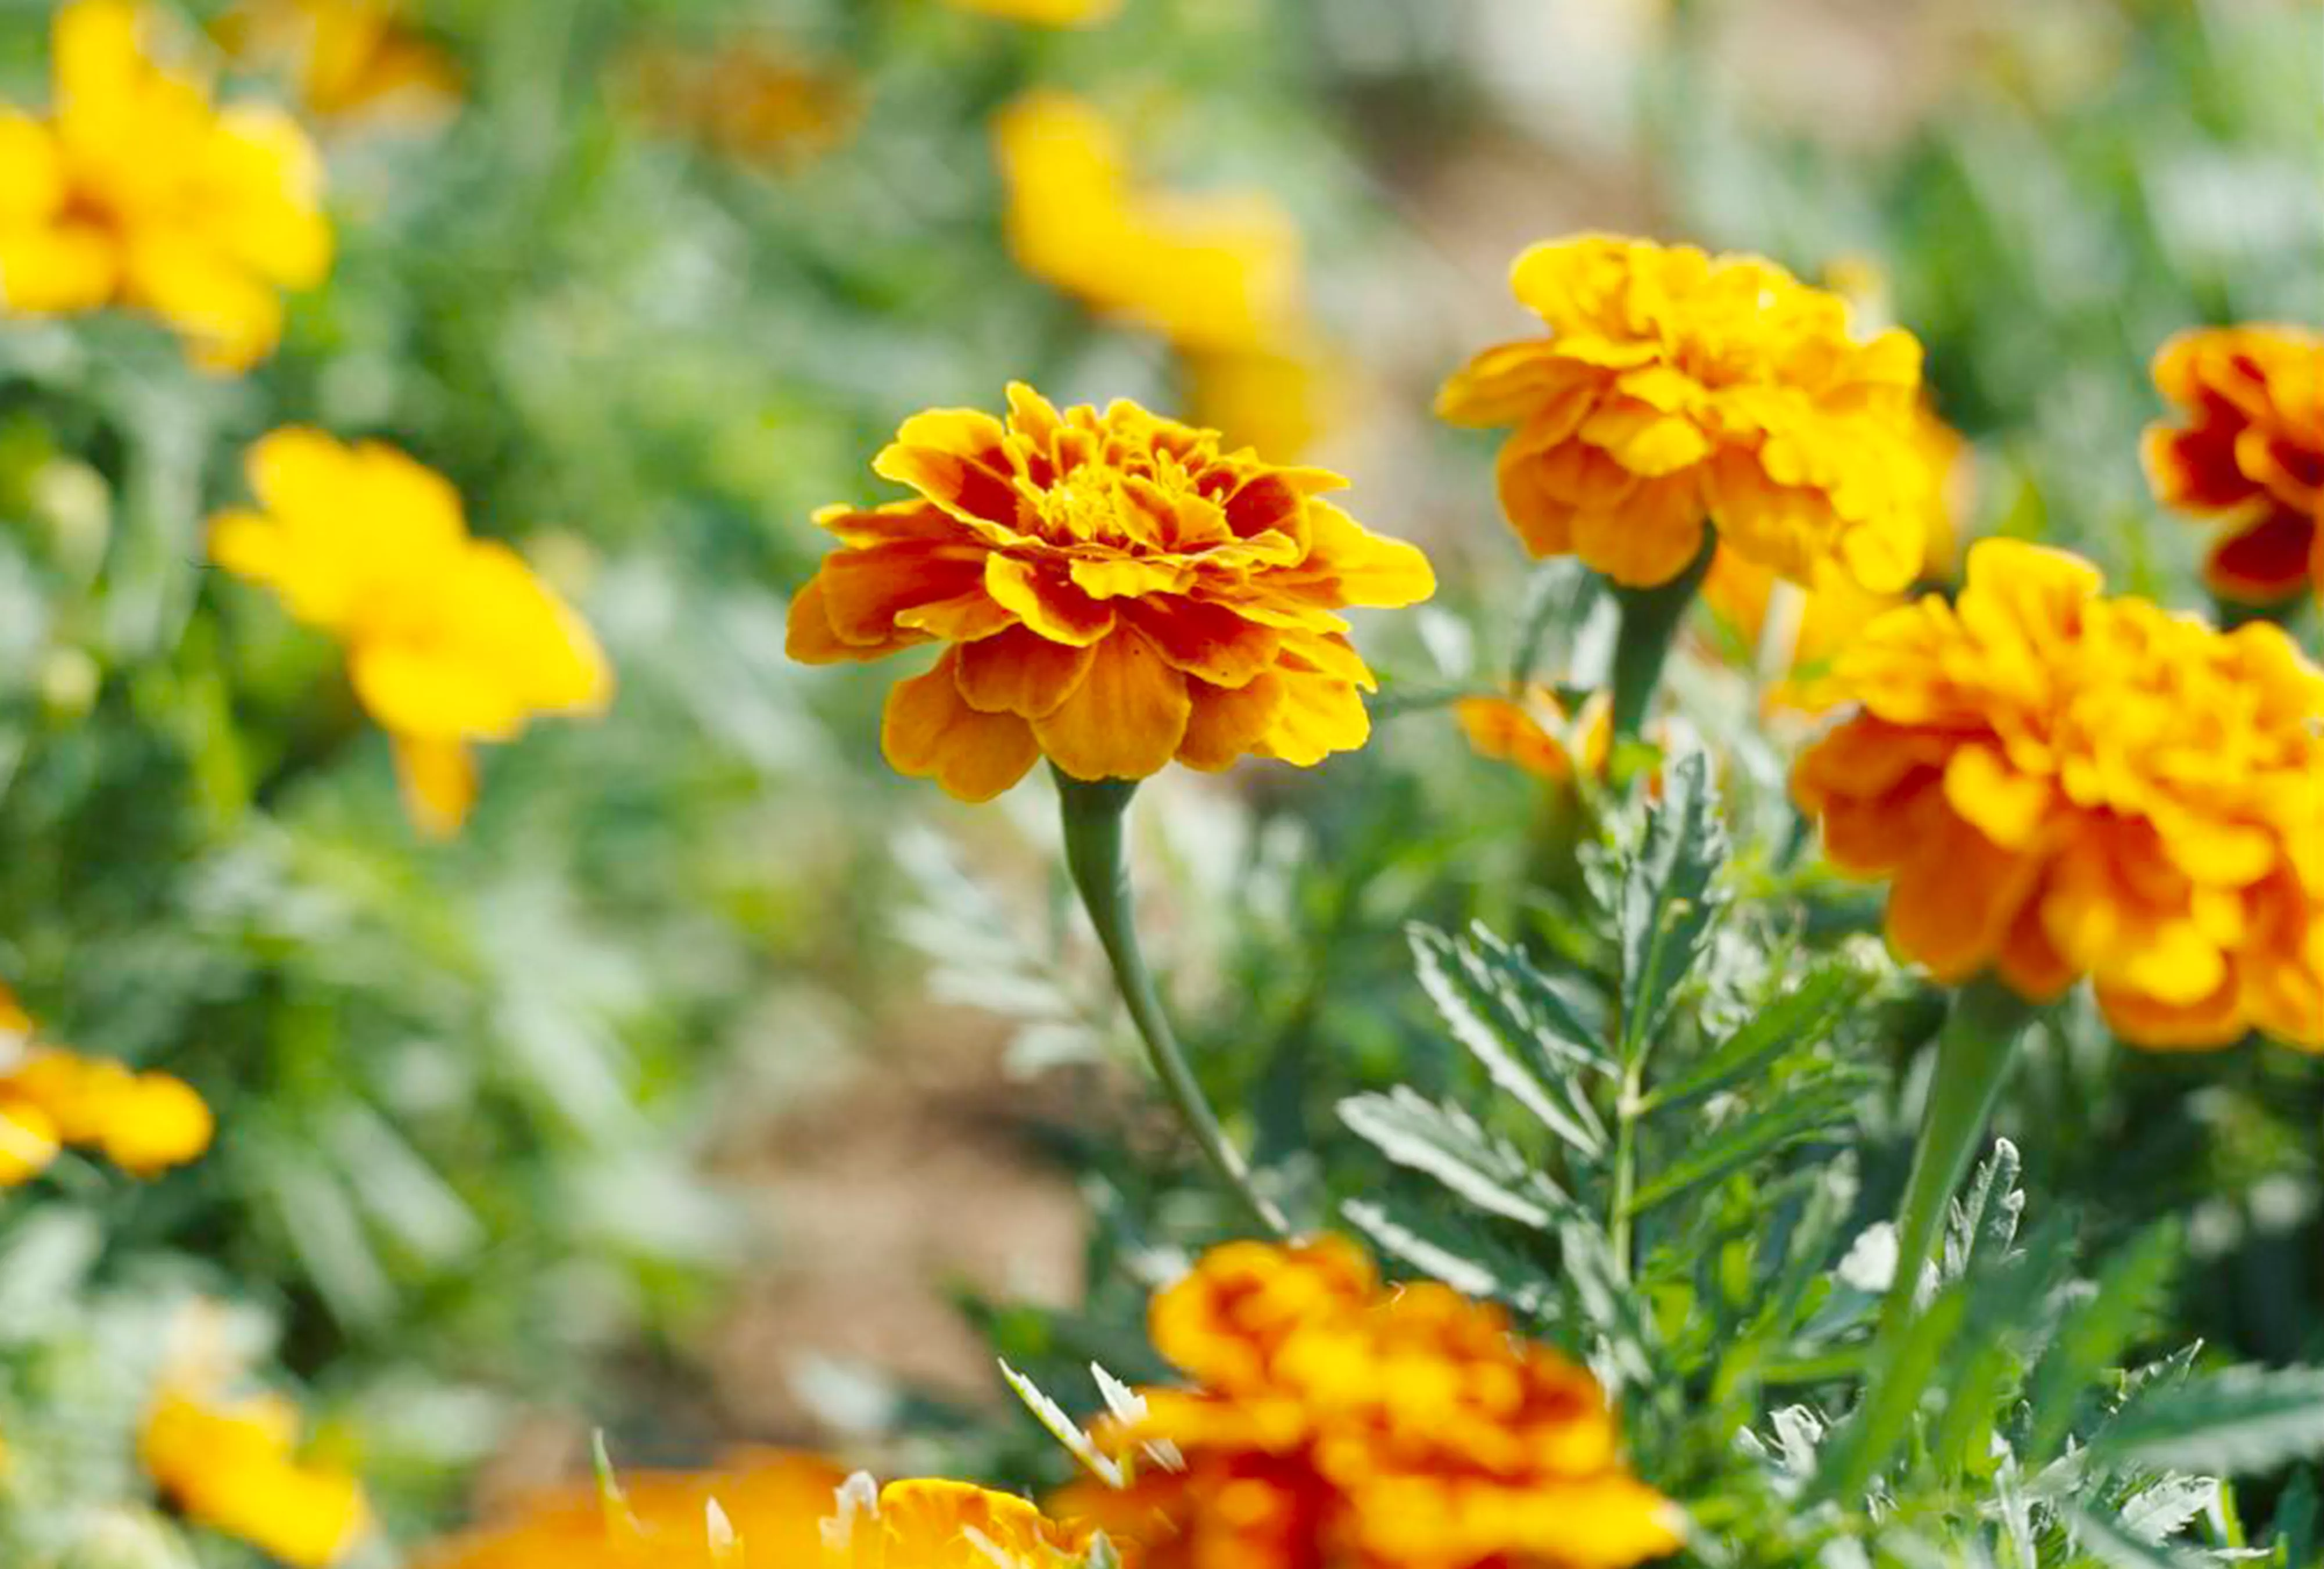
1626,1161
1974,1053
1650,621
1093,815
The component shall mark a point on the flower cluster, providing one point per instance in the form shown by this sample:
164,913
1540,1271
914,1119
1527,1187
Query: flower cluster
2250,456
451,639
1675,389
136,190
50,1098
234,1465
351,60
2060,785
1336,1422
1113,591
792,1512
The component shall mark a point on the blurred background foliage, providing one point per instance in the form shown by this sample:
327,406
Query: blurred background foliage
690,1090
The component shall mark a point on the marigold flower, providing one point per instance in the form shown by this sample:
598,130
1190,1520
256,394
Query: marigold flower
1113,590
451,639
1677,391
233,1466
1336,1422
1534,731
136,190
1044,13
2250,456
144,1123
29,1144
2060,785
352,61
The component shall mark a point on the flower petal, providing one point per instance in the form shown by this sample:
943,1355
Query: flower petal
1125,719
928,731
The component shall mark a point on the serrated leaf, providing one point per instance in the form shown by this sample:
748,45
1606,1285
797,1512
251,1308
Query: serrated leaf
2131,1289
2160,1512
2229,1423
1446,1143
1801,1113
1802,1017
1062,1427
1667,902
1983,1221
1610,1304
1524,1034
2115,1544
1448,1249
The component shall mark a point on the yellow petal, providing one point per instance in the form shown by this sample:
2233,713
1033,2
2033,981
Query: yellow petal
1125,719
440,783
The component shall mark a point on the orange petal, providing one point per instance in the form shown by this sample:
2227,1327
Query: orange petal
1205,639
2264,563
1319,716
864,590
1227,724
929,731
1045,599
1125,719
1020,672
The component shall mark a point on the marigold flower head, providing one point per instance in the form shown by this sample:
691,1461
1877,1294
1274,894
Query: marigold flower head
2059,785
145,1123
351,60
1044,13
1336,1422
233,1466
136,190
1677,390
451,639
1533,731
2250,454
1113,591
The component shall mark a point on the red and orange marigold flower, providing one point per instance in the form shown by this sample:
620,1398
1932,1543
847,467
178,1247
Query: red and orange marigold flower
2059,785
2248,454
1333,1422
1677,391
1113,591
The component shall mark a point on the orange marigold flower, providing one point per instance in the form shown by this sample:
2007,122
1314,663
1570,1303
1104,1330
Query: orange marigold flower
1044,13
792,1512
233,1466
1678,390
451,639
1336,1422
1534,731
1113,591
2060,785
2250,456
136,190
351,60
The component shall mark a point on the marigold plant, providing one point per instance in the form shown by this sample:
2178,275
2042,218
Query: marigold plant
2059,785
233,1464
1113,591
1335,1421
451,639
1677,390
2248,453
135,189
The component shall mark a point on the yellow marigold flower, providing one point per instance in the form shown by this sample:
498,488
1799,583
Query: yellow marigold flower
451,639
233,1466
2250,454
2060,785
144,1123
136,190
1678,390
1113,591
351,60
29,1144
1335,1421
1277,401
1216,273
1044,13
1534,731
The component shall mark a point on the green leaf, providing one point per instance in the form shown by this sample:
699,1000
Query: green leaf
1447,1144
1801,1113
1984,1219
1519,1027
1666,903
2229,1423
2298,1539
1448,1249
2131,1290
1904,1375
1799,1018
2117,1545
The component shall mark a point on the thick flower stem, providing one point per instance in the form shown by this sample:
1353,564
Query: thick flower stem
1974,1054
1094,814
1650,621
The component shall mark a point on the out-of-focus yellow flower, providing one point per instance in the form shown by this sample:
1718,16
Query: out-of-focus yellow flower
1044,13
1534,731
451,639
2059,785
1276,401
1113,590
745,101
29,1144
792,1512
16,1024
233,1466
1678,390
1218,273
144,1123
1334,1422
2250,454
354,61
136,190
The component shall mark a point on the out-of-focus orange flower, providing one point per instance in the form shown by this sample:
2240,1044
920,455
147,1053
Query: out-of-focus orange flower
1113,591
1334,1423
233,1466
354,61
136,190
451,639
1535,732
1678,390
2059,785
2250,454
1044,13
747,100
792,1512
